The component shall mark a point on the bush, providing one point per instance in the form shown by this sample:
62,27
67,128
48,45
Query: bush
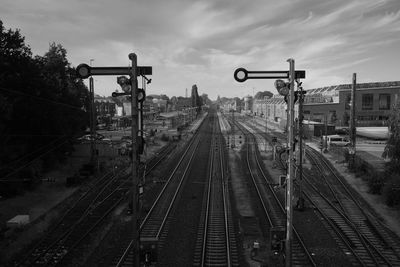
375,183
391,190
164,137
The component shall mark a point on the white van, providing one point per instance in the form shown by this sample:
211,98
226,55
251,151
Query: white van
336,140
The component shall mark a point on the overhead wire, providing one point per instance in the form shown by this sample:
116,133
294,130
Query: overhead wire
2,179
41,99
33,152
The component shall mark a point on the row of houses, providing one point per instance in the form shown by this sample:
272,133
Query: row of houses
109,106
374,102
116,112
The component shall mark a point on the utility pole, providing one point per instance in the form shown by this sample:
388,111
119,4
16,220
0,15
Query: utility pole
326,134
130,87
266,117
287,90
300,203
352,133
289,183
266,127
93,153
233,129
135,178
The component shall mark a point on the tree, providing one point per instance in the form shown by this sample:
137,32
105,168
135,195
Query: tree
164,97
261,95
391,187
42,104
63,86
205,99
17,78
392,149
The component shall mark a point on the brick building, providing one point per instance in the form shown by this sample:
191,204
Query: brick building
373,103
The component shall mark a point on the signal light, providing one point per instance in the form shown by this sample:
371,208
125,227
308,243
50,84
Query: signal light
83,71
141,96
282,87
125,83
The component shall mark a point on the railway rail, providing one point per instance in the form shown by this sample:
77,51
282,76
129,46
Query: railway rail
274,212
365,240
151,227
370,242
101,197
216,241
44,252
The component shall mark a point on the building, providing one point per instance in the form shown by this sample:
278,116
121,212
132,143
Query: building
230,105
182,103
374,102
248,103
273,109
331,104
104,106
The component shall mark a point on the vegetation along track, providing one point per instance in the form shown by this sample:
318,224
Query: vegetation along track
274,212
360,234
216,241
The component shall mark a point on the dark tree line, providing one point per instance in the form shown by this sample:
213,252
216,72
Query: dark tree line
391,187
42,109
261,95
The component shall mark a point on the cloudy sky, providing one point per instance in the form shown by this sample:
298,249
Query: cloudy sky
203,42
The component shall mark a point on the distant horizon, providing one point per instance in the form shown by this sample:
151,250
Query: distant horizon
203,42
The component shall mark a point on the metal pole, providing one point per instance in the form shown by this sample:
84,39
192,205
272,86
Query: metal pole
353,119
300,204
289,187
326,134
266,118
233,128
135,178
93,155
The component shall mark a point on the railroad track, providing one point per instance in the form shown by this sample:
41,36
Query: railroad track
86,213
151,227
274,212
160,156
42,253
216,242
369,241
365,240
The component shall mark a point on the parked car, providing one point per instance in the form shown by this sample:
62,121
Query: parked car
336,140
342,130
89,137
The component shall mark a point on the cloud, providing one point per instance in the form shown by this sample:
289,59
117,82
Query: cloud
202,42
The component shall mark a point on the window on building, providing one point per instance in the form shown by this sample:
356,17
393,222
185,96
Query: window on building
384,101
367,101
